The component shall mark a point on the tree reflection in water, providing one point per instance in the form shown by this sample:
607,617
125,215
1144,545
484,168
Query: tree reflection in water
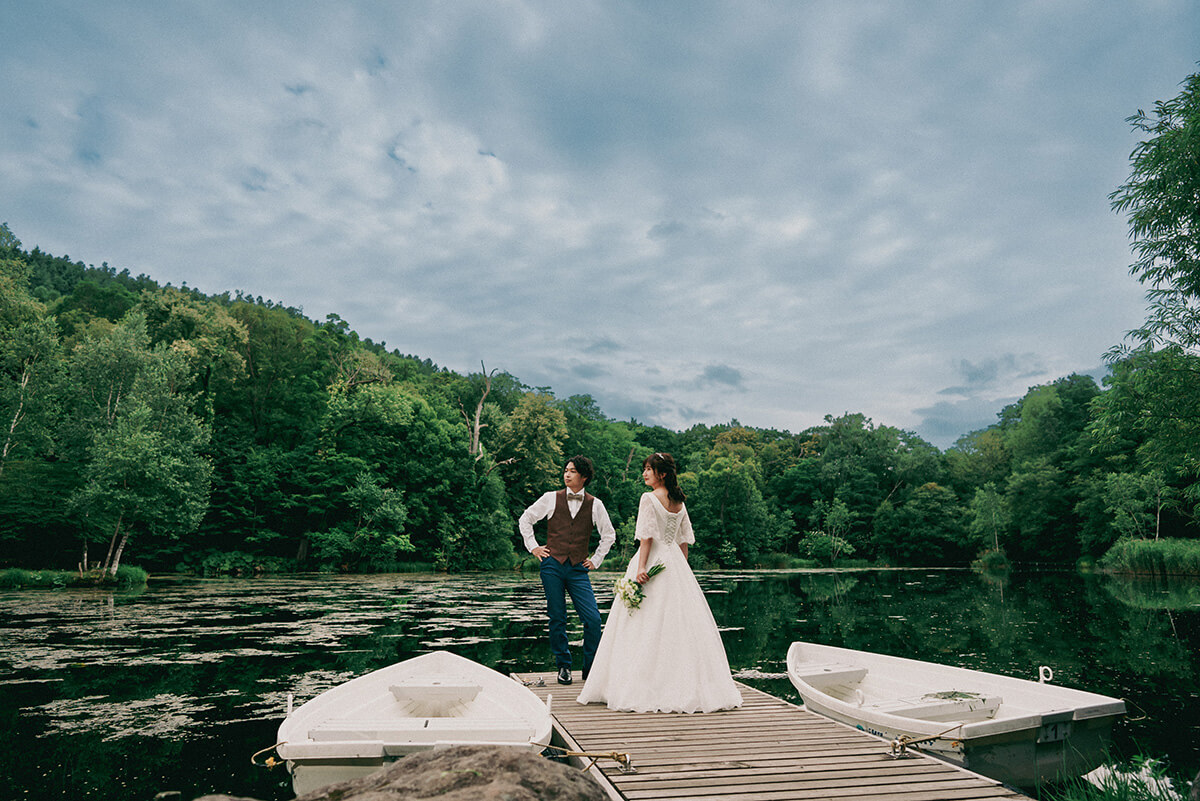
172,688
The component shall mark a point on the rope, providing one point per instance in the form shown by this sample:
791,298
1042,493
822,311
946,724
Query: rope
623,760
269,762
899,746
1142,716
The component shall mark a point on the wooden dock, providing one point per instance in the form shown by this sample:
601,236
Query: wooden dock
768,750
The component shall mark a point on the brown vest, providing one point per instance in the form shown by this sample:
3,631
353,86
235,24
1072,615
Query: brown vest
567,537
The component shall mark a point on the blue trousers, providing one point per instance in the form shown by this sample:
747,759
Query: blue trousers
560,579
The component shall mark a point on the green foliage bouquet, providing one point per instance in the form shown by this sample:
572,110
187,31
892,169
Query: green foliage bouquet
631,592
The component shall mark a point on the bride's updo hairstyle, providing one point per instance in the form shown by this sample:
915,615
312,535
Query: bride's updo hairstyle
664,465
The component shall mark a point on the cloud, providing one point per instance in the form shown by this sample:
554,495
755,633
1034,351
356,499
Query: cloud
1000,371
666,230
721,375
693,213
589,371
604,345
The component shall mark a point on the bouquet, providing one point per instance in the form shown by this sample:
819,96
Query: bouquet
631,592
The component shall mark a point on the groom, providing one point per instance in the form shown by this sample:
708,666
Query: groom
572,514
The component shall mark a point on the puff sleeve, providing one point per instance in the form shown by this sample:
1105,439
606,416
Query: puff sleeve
686,533
647,522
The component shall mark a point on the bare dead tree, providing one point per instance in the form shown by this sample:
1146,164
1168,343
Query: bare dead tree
476,424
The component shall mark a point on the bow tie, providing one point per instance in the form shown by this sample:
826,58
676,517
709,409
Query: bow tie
573,497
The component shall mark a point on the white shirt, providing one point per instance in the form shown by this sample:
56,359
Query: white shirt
543,507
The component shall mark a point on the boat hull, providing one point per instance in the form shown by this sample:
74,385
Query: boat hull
1018,732
431,701
1016,758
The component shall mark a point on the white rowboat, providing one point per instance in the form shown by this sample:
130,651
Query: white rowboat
1016,731
430,701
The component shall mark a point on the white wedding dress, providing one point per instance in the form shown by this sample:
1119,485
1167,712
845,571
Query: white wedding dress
666,655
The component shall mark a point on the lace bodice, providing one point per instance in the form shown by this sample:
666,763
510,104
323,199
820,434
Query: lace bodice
670,528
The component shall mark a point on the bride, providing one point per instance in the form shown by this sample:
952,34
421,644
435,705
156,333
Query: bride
664,654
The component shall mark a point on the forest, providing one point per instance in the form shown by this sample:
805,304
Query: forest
224,433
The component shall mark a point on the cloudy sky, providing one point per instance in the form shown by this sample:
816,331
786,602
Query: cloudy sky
692,211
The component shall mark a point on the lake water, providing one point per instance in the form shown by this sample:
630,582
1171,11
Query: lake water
174,687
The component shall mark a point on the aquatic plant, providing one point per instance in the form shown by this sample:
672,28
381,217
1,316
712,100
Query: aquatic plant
1166,557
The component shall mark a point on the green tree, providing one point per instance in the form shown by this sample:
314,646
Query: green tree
614,451
1162,198
1136,502
797,491
144,471
927,529
532,437
29,360
1042,502
865,465
1044,433
989,516
1152,408
211,340
829,542
372,532
478,536
283,396
733,523
978,458
1154,394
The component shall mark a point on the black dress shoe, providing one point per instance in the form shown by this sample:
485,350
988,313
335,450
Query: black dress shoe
564,675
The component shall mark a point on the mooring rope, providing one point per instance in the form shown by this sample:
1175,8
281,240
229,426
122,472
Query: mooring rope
620,757
269,762
899,746
623,760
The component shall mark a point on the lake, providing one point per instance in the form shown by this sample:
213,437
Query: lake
174,687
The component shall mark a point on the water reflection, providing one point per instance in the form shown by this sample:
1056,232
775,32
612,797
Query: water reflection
1154,592
173,688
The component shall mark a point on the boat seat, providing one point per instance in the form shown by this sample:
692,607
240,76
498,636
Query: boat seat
978,707
426,690
427,696
826,673
421,730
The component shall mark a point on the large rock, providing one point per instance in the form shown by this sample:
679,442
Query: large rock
466,773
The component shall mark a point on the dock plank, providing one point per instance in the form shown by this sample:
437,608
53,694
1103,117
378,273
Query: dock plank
767,750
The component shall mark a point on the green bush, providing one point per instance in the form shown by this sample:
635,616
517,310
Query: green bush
991,561
129,576
785,561
234,563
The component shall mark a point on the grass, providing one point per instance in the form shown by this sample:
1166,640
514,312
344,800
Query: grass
1141,780
1165,557
15,578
